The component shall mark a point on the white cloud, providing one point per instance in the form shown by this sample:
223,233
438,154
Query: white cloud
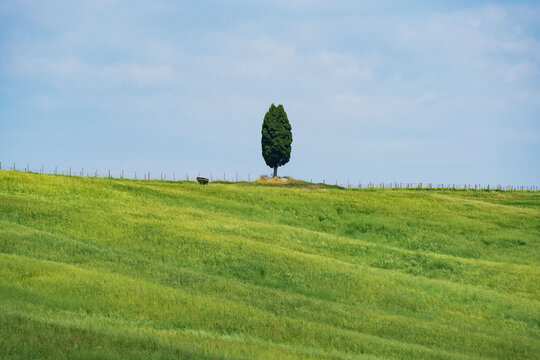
522,69
354,72
143,74
72,70
426,97
46,103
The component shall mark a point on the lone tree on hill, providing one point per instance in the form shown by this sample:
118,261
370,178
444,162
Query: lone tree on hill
276,137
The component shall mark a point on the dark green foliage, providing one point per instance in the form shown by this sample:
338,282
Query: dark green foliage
276,137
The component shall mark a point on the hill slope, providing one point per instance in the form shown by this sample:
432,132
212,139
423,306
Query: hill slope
108,268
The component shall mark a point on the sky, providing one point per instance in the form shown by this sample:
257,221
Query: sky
380,91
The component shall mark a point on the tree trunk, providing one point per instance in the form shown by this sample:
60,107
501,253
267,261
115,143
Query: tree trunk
275,171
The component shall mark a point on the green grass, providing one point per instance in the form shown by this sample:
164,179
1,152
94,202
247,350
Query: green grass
110,268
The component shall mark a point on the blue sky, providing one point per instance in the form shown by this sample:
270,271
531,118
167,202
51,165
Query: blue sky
430,91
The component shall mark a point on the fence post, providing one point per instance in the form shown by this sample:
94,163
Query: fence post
174,176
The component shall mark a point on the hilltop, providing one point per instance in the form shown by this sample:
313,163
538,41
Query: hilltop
117,268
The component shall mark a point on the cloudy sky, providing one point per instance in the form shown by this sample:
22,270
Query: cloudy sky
431,91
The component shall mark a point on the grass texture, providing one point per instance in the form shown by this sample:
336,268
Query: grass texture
94,268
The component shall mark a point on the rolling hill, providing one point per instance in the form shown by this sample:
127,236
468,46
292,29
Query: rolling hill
117,268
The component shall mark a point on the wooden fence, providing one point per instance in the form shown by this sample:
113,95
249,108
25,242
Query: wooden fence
147,175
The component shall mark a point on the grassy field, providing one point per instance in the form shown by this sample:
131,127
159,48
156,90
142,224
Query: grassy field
109,268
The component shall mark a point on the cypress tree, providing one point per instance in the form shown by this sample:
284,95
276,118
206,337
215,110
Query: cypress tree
276,137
